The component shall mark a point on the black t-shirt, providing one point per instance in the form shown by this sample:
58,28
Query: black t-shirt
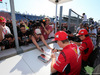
98,32
24,36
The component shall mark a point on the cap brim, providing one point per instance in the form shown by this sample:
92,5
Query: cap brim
77,35
53,40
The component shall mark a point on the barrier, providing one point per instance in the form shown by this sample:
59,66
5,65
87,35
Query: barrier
74,20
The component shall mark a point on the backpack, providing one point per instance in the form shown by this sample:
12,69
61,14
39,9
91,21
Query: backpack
94,58
97,60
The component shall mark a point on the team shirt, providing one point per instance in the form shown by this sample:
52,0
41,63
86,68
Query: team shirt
69,61
86,48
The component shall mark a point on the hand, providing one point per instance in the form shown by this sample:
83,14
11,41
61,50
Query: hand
42,25
53,55
54,50
42,50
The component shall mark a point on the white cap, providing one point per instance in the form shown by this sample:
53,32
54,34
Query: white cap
37,31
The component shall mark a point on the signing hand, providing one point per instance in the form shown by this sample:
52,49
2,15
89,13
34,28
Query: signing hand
53,55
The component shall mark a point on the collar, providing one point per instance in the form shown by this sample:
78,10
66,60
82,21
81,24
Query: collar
86,38
66,46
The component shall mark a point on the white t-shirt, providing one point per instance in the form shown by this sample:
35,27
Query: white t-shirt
93,31
6,30
84,18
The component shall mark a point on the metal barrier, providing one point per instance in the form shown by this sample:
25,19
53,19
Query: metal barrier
74,20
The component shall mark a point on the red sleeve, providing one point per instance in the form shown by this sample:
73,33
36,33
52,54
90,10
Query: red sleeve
83,46
50,28
60,63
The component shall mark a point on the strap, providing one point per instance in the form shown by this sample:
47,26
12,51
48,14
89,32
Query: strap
63,54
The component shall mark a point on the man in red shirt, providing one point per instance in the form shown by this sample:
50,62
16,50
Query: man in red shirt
87,46
69,59
47,29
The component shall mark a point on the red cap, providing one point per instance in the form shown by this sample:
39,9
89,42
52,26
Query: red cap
82,32
60,35
2,19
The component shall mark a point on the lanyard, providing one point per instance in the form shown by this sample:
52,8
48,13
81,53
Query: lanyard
5,31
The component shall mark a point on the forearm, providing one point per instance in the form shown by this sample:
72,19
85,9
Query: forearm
45,30
1,36
77,43
52,63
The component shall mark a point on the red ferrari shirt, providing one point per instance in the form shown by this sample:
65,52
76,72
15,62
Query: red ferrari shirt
86,48
69,61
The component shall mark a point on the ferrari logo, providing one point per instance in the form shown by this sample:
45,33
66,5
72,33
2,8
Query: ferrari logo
75,50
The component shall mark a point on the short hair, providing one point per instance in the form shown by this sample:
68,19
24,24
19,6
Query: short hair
64,41
83,13
22,26
87,35
31,21
9,36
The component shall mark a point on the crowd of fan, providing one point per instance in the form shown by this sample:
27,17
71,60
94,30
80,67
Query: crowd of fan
28,32
34,31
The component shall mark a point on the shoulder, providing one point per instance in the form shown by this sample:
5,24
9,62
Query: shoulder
6,27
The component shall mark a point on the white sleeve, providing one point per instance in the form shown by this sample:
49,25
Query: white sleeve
8,30
95,31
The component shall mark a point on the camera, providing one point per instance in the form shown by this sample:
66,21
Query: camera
37,23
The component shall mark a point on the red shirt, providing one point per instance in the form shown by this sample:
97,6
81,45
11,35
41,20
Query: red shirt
44,33
86,48
72,57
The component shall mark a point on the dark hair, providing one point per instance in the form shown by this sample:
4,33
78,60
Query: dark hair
31,21
64,41
9,36
83,13
87,35
22,25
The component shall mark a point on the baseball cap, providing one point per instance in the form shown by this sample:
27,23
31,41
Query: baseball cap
60,35
82,32
2,19
37,31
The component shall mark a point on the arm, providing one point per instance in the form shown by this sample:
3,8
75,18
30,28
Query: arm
47,31
1,36
77,43
52,63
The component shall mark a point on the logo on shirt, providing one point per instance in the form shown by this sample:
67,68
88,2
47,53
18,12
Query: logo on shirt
75,50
